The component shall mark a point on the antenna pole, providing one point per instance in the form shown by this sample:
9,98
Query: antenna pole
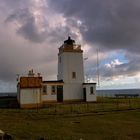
98,72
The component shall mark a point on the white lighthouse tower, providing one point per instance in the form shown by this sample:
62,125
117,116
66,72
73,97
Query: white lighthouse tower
70,70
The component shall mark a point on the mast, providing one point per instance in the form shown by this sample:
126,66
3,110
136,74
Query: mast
98,71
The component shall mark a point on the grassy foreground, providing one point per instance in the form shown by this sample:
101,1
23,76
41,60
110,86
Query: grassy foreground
33,124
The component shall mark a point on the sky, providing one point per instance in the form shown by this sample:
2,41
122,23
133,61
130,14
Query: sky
31,31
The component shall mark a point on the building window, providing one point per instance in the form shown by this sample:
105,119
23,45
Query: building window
53,90
74,75
44,89
91,90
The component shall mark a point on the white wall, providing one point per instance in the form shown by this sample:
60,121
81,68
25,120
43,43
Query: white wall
49,96
90,97
71,62
72,91
30,96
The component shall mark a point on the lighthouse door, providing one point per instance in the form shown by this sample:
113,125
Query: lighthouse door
84,95
59,93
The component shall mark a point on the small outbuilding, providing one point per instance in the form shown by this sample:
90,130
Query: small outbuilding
89,92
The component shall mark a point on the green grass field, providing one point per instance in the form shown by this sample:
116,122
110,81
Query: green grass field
101,125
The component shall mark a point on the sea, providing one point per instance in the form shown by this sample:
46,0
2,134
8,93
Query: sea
112,92
102,93
11,94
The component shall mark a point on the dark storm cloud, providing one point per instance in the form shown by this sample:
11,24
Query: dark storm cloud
28,28
109,23
30,35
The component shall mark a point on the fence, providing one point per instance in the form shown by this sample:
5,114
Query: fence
68,110
103,105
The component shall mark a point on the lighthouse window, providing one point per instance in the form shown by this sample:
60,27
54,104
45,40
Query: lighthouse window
53,90
44,89
91,90
73,75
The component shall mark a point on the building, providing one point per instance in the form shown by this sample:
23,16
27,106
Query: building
69,86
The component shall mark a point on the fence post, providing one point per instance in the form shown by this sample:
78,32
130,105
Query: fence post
55,109
87,107
71,108
117,103
129,103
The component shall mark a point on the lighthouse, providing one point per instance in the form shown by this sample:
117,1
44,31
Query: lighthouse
34,92
70,62
71,70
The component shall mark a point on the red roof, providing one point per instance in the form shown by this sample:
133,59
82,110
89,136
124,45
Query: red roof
30,82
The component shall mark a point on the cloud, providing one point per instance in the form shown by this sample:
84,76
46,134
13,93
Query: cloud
113,63
31,32
111,24
31,27
36,22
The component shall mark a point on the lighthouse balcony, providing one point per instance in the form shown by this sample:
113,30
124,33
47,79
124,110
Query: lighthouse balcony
70,48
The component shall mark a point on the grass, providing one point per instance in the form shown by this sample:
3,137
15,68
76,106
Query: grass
103,104
31,125
111,125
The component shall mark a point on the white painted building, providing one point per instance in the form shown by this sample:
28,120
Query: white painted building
69,87
29,91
